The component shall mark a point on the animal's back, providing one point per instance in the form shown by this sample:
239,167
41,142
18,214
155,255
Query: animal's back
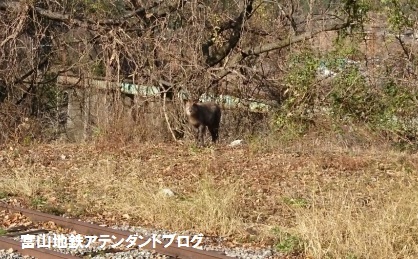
210,113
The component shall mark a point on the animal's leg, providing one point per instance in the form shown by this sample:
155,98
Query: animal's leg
197,132
214,129
202,131
214,134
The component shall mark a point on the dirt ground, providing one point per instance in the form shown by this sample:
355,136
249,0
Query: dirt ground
309,199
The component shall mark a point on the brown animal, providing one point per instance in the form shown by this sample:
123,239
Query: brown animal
202,115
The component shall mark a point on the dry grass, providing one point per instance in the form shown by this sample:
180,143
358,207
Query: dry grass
345,227
320,200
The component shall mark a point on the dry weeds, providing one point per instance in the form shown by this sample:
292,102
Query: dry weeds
313,199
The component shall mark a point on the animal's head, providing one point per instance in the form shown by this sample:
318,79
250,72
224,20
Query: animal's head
190,107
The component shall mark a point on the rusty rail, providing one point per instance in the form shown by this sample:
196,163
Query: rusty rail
93,229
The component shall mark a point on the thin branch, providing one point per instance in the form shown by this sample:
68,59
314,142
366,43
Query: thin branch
17,30
235,25
81,22
275,46
166,116
30,72
408,53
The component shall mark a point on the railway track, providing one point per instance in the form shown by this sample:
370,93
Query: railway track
84,228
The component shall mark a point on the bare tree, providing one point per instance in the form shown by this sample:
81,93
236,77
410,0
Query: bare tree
202,46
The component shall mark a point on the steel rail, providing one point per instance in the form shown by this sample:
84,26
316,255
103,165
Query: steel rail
93,229
7,243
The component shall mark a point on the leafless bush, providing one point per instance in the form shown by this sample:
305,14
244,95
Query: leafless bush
218,47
